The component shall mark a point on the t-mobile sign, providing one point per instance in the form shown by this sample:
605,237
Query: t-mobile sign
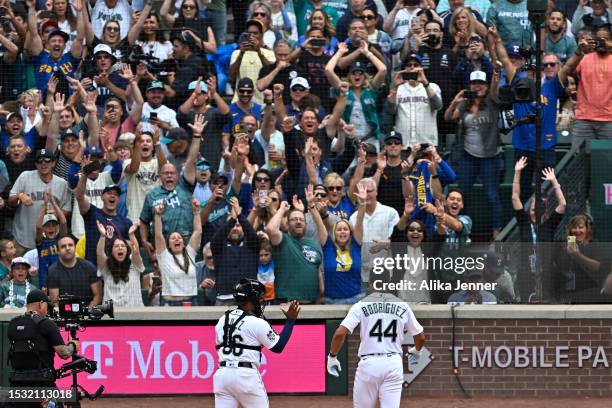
183,360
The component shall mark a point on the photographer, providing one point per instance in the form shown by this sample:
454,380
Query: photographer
398,22
523,133
33,367
477,111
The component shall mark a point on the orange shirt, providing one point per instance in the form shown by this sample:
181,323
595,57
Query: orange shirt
595,88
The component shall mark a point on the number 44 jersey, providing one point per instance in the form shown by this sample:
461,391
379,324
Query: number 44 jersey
383,319
241,335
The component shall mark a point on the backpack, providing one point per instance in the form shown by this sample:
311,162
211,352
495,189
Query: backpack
25,350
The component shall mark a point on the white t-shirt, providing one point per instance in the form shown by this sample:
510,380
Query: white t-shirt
163,113
101,13
253,331
122,293
175,282
415,119
160,50
139,184
376,227
383,319
401,25
93,191
24,223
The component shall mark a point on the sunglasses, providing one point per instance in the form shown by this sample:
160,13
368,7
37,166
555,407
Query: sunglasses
103,56
320,195
298,89
188,7
334,188
549,64
413,229
209,258
262,179
112,29
393,143
368,17
260,14
203,167
245,91
46,160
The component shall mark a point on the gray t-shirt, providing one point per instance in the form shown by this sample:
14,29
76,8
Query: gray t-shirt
29,182
481,130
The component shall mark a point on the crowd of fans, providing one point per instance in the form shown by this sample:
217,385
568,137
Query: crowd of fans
149,160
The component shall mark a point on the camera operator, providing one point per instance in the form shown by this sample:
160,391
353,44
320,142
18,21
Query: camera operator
33,366
523,134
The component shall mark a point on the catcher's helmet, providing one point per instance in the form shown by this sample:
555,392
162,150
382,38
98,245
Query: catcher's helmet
250,290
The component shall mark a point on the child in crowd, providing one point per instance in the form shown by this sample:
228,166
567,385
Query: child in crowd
265,272
13,293
7,253
49,228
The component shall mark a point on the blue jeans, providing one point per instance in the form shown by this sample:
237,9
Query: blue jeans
344,301
489,171
549,159
218,23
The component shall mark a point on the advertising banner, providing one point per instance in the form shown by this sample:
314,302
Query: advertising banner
183,360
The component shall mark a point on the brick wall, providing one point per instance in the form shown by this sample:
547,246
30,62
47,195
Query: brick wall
438,378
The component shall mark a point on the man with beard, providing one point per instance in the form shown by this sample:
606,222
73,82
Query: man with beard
557,41
359,48
312,62
108,82
203,94
235,250
27,195
49,56
73,276
296,257
175,192
203,190
594,105
96,181
244,105
116,225
155,112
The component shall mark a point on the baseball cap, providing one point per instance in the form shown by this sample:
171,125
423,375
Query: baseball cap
370,149
174,135
62,34
14,115
103,48
246,83
43,154
112,187
299,81
47,24
36,296
494,262
202,162
68,133
19,261
192,86
393,135
218,177
357,66
94,151
155,85
49,218
412,57
478,76
513,51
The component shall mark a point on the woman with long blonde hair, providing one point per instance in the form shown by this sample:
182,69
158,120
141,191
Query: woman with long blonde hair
463,26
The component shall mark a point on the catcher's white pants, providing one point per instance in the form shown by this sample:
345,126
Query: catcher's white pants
378,379
239,387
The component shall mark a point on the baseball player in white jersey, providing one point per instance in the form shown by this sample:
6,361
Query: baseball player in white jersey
384,319
241,333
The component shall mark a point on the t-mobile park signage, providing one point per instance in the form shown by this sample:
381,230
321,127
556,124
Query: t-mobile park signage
183,360
534,356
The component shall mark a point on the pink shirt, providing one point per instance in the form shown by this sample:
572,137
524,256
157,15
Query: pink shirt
595,88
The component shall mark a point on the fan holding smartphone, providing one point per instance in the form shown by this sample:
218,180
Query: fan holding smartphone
416,102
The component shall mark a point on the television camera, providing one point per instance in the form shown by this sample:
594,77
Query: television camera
522,91
72,314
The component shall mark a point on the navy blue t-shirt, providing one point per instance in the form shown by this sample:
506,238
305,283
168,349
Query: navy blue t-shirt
116,226
523,137
45,66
